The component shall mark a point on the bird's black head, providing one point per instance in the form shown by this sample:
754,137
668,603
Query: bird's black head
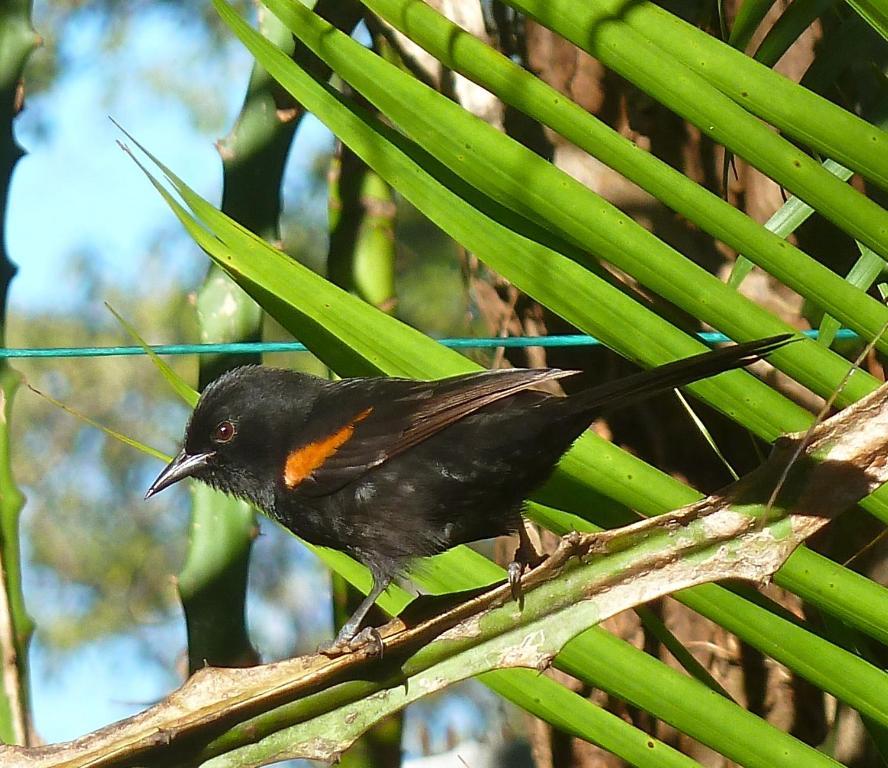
238,435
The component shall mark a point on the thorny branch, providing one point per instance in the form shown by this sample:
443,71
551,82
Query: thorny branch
737,533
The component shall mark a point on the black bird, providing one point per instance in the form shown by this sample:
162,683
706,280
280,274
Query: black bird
390,469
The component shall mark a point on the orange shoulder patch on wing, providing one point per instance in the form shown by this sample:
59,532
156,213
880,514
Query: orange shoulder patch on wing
305,459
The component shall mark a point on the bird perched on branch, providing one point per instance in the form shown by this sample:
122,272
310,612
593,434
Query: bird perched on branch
389,469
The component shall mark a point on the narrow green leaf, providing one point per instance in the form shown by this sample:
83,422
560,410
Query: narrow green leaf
749,16
323,309
862,275
581,718
783,222
176,382
874,13
119,436
797,112
707,435
794,20
858,601
657,627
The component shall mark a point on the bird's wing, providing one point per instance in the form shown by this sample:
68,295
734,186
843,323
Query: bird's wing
358,424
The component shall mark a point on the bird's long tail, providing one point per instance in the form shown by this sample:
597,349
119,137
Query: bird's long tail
678,373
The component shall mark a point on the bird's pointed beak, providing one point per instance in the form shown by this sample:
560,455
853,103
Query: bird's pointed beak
181,467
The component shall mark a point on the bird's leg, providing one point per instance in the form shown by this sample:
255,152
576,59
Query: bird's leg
526,556
349,639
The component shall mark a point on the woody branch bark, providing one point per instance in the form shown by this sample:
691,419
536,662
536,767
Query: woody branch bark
315,707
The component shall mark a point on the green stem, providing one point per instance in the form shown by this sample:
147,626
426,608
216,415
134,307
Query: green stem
16,625
361,256
788,28
17,41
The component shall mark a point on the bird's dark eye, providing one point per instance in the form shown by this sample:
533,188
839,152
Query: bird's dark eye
224,432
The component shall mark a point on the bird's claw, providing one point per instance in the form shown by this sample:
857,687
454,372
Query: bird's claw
514,570
368,638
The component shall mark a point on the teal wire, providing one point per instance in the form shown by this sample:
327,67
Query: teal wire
572,340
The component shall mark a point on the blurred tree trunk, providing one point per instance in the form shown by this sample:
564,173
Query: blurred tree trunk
17,40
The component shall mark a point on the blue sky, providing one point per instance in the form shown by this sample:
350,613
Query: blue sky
81,192
94,184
